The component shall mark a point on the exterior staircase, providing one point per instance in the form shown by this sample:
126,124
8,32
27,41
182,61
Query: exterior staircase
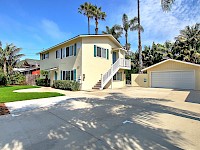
97,85
121,63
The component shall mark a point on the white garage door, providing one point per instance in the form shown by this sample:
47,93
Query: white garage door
173,79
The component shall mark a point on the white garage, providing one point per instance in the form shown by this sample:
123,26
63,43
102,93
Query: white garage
173,74
173,79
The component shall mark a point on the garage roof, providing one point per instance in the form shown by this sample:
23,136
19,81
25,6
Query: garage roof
187,63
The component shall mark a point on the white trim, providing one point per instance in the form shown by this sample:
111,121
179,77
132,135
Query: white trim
115,49
51,69
187,63
81,36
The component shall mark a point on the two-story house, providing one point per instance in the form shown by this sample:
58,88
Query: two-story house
96,61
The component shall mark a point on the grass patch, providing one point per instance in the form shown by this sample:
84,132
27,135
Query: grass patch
7,94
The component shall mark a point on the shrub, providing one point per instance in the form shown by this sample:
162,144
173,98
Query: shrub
66,85
17,79
43,82
3,80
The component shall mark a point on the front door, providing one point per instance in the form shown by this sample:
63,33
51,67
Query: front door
114,57
55,75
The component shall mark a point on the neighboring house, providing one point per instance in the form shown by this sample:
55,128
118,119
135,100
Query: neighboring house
28,66
170,73
96,61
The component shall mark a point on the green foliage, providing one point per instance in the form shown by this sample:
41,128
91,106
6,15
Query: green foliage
44,73
16,79
3,80
43,82
116,31
9,57
66,85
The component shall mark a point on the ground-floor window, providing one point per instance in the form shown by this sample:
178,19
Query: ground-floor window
118,76
69,75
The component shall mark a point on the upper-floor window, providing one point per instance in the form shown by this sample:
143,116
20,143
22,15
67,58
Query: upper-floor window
71,50
101,52
45,56
63,52
58,53
66,52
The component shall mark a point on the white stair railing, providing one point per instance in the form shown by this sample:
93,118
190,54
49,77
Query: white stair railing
120,63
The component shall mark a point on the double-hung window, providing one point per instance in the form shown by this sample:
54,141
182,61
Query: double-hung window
98,51
45,56
101,52
71,50
64,52
69,75
118,76
58,54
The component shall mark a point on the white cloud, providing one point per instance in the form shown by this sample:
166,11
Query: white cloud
160,26
52,29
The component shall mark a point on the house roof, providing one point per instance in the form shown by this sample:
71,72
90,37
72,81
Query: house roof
85,35
187,63
28,62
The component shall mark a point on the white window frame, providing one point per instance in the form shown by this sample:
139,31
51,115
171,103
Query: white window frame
101,49
117,76
58,56
63,52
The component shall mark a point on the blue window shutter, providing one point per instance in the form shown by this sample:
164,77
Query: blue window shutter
95,51
74,74
61,53
107,53
75,49
61,75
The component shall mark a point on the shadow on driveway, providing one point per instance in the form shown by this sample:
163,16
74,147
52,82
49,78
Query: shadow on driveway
91,123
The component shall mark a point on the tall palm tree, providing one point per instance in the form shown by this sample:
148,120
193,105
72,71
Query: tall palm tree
130,25
116,31
166,6
86,10
98,15
9,57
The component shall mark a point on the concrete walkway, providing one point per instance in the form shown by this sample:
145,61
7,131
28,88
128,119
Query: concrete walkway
21,106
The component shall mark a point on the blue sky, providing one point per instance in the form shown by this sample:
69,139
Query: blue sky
35,25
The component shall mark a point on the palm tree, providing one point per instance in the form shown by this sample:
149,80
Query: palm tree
166,4
86,10
116,31
130,25
98,15
9,57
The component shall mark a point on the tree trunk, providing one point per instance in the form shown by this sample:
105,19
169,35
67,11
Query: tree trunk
96,29
4,67
88,25
126,36
139,40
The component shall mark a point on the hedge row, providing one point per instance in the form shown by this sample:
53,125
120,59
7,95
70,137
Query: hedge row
43,82
66,85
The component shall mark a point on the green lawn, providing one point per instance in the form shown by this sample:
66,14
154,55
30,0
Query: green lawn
7,94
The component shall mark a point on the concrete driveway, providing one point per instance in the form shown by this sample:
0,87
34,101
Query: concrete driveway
129,118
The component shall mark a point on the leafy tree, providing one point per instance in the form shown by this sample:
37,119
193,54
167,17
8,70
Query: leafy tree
86,10
98,15
116,31
187,44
